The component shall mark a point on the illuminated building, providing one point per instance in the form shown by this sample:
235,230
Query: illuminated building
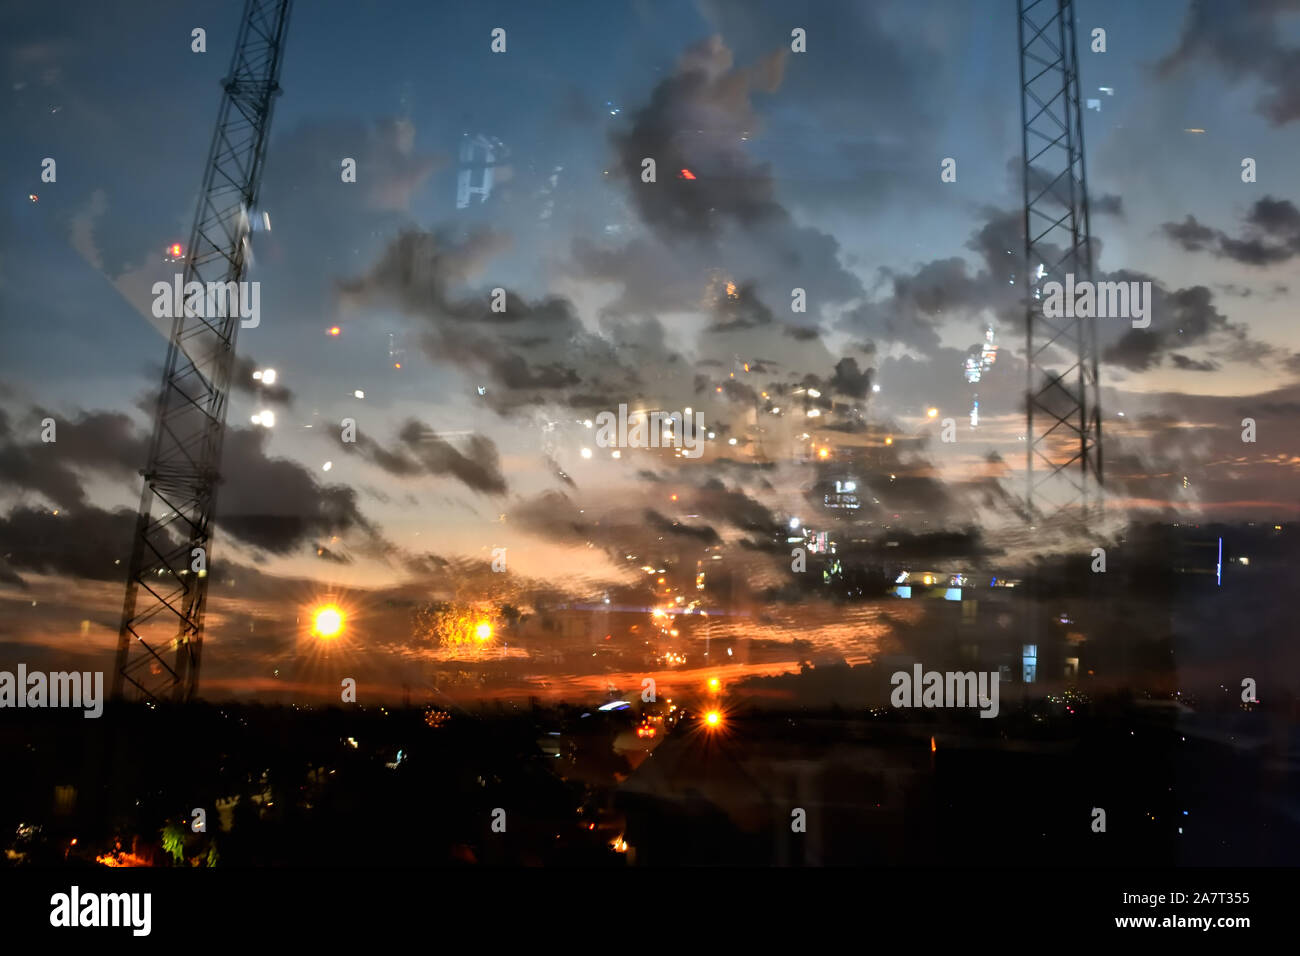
977,365
477,158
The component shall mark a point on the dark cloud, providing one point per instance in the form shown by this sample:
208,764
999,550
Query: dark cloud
740,309
801,333
668,526
698,120
478,467
849,379
942,291
276,504
1190,234
732,506
273,504
1182,318
1192,365
554,515
1245,40
724,225
421,451
1277,217
83,542
564,363
948,290
90,443
1107,204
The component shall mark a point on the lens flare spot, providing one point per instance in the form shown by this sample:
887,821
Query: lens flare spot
327,622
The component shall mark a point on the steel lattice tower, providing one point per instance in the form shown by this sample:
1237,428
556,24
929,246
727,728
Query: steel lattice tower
1063,432
165,598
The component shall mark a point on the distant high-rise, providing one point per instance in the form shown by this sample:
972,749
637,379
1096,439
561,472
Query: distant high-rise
478,155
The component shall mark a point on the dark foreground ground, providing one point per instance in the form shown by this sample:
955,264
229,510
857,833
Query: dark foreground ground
299,787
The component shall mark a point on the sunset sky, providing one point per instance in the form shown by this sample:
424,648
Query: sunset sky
816,170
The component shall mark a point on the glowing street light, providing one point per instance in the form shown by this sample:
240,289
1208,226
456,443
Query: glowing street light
713,718
327,622
484,631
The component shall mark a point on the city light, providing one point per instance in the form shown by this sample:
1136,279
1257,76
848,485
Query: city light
327,622
333,330
932,412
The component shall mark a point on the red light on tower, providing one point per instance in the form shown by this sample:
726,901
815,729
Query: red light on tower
334,330
176,250
686,174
